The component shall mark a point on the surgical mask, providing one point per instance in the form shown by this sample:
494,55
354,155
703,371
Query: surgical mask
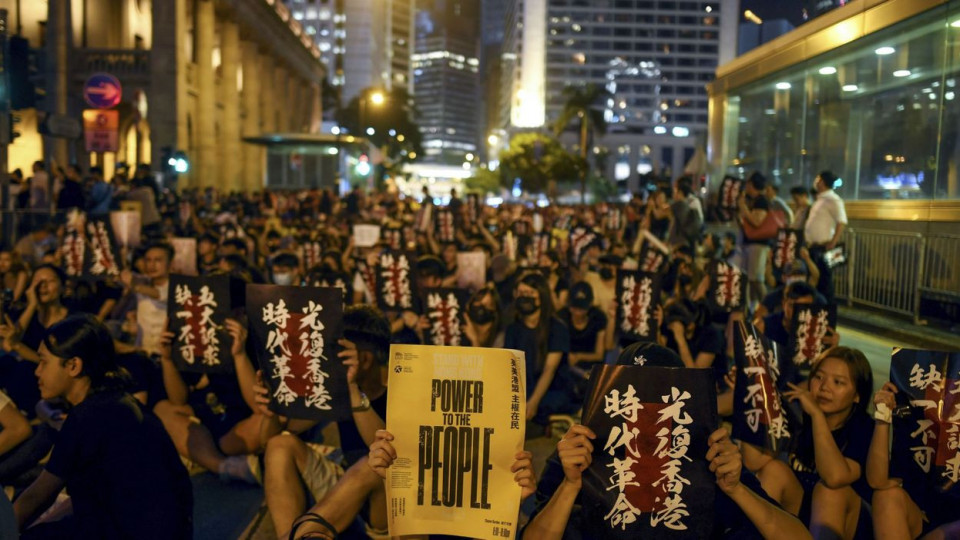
283,279
480,314
527,305
606,273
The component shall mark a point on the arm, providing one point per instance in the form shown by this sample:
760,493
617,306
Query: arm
835,469
176,389
21,285
105,309
814,271
16,429
37,498
837,235
246,375
575,452
368,421
682,348
878,458
543,383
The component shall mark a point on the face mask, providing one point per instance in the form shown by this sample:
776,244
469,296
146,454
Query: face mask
480,314
684,279
527,305
606,273
283,279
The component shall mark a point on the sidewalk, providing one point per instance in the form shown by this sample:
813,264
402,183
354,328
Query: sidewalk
898,329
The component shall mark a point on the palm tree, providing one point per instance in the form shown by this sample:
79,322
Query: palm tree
585,103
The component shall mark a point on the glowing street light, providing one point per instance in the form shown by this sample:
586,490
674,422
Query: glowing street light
377,98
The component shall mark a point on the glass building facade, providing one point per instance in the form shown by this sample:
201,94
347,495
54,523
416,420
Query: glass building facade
876,103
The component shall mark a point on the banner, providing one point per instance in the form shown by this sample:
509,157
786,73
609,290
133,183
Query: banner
295,331
538,247
197,310
728,287
311,253
126,227
654,255
74,248
184,256
444,308
649,477
457,427
395,281
926,433
446,229
393,238
836,257
810,324
365,236
759,415
638,294
580,239
787,248
471,270
103,256
730,189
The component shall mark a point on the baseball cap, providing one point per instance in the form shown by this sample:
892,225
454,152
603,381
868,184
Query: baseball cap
581,295
645,353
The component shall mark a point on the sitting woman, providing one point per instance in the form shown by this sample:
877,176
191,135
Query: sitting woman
13,275
824,483
483,325
120,468
587,324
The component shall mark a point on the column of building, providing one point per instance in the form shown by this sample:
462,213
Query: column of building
252,154
229,167
205,174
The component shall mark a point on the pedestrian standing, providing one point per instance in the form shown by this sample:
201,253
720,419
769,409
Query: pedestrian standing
825,224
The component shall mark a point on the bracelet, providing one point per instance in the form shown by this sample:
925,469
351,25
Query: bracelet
364,404
883,413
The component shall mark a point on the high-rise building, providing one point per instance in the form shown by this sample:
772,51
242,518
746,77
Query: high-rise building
653,56
377,45
323,20
447,80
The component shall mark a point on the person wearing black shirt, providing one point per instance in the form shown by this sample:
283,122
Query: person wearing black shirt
120,468
587,325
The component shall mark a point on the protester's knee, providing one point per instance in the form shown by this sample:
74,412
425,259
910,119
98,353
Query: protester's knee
885,501
831,499
281,450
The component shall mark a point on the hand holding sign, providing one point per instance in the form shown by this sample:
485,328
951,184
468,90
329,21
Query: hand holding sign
725,460
575,450
382,453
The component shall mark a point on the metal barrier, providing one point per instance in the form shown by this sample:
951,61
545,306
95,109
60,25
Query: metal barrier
893,271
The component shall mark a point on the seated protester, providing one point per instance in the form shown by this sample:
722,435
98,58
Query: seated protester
151,311
742,508
689,333
903,507
98,298
409,326
587,325
777,326
207,259
604,286
224,405
297,473
14,276
796,271
545,340
557,279
730,252
823,482
22,339
120,468
285,269
14,431
238,246
448,255
483,326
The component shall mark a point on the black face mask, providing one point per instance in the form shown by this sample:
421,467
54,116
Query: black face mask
527,305
480,314
606,273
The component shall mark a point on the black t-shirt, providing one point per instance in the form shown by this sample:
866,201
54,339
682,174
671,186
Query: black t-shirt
90,296
519,337
34,333
122,471
774,330
585,340
350,440
853,440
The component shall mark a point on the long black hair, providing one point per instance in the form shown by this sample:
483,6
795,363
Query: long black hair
83,336
538,282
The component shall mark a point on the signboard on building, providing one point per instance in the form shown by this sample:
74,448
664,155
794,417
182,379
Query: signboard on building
102,91
100,130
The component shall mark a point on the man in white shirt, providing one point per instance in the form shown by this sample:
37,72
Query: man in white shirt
826,221
152,297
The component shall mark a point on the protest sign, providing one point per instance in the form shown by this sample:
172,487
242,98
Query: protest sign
365,235
103,256
423,218
446,229
471,269
637,294
395,280
457,427
311,253
197,309
836,257
810,324
445,309
759,415
393,237
730,189
654,255
580,239
787,248
126,227
728,287
184,256
509,245
926,432
74,248
295,332
649,477
538,247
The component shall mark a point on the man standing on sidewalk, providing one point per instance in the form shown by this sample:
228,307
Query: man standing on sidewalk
824,228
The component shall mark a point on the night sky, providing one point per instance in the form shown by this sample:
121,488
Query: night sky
791,10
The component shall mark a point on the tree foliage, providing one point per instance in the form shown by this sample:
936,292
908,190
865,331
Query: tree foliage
536,159
484,181
396,113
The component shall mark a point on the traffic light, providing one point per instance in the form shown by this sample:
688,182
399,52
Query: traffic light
23,95
179,162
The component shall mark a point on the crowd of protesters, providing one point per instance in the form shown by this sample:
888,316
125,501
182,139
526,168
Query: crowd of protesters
90,400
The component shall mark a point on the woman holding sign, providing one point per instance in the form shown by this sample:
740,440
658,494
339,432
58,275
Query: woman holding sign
824,483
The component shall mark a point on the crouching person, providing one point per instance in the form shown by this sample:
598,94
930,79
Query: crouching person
120,468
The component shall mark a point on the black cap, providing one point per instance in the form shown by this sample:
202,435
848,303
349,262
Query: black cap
581,295
645,353
430,265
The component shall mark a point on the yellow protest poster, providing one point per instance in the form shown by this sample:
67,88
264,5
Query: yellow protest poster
457,416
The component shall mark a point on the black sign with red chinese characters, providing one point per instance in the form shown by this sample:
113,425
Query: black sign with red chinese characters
444,308
760,416
295,332
446,225
926,424
90,249
728,287
649,477
197,310
787,248
638,294
811,323
395,274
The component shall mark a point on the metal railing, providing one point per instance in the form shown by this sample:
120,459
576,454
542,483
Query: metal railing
894,271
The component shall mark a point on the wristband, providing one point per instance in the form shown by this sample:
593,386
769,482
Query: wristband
883,413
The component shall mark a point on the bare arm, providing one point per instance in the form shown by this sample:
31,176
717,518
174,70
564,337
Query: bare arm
16,429
37,498
878,458
172,381
770,520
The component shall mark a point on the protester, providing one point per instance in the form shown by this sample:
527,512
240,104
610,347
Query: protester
824,228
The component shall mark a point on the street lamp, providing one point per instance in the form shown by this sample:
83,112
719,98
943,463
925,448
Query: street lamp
376,98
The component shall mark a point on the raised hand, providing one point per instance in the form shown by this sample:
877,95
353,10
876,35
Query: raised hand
523,474
576,452
382,453
725,460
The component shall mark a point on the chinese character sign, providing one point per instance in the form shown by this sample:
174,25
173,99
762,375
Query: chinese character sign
393,238
638,294
729,193
74,248
787,248
811,323
926,439
103,257
423,218
444,309
759,415
580,239
311,253
395,280
728,287
457,427
446,229
365,235
836,257
295,331
613,220
649,477
197,309
654,254
126,227
538,247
